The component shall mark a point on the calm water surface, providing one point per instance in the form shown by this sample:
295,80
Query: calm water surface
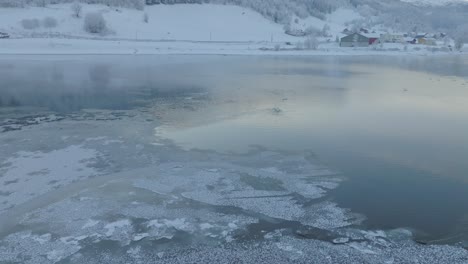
395,127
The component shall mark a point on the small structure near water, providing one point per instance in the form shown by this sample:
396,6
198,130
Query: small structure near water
356,40
392,38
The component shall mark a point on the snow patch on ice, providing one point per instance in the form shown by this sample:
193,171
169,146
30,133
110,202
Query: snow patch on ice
140,236
277,191
112,227
29,248
178,224
327,215
30,174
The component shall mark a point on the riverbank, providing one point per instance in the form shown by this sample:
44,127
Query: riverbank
89,46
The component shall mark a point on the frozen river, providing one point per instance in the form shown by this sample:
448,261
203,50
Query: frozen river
174,159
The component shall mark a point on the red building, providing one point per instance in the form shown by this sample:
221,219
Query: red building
373,40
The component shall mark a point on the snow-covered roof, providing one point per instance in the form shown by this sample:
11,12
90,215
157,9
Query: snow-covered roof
372,35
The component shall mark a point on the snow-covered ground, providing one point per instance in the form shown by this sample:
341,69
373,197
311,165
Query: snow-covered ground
175,29
95,47
336,21
165,22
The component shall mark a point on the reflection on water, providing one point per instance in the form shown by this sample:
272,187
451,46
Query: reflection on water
67,85
395,127
397,130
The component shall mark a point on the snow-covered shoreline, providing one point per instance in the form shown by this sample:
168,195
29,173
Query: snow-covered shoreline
72,46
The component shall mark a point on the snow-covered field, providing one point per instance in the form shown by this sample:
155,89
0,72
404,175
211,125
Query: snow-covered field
174,29
57,46
165,22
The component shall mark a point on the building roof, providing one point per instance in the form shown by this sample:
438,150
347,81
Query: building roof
372,35
355,37
421,35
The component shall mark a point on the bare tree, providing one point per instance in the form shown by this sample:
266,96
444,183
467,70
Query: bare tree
49,22
312,31
300,45
461,37
30,23
95,23
459,43
325,30
42,3
311,43
76,9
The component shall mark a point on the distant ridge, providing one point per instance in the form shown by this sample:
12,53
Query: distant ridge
435,2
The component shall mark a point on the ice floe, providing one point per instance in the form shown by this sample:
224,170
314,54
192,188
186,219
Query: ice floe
30,174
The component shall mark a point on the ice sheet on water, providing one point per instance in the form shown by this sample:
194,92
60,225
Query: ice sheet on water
122,213
39,248
95,216
204,197
207,198
30,174
327,215
281,187
285,249
115,229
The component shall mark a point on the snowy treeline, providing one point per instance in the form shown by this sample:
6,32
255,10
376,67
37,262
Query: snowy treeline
172,2
138,4
281,11
404,17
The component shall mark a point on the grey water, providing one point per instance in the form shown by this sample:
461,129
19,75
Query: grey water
395,127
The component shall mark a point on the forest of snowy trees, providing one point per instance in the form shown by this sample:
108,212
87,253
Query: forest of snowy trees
277,10
138,4
280,11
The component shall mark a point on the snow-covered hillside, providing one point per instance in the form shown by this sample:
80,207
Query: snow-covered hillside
176,29
184,22
165,22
